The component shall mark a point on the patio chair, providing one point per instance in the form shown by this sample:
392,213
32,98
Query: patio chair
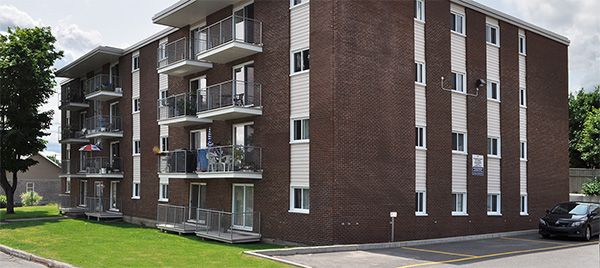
213,163
227,162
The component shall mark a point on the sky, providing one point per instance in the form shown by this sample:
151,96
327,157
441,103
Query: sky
81,25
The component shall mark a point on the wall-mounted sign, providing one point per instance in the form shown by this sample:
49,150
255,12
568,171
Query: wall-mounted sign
478,165
393,214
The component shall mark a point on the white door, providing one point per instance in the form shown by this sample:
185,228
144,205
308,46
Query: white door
197,200
198,139
114,196
114,114
243,134
243,206
244,84
99,191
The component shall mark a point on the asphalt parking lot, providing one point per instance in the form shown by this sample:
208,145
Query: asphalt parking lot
518,251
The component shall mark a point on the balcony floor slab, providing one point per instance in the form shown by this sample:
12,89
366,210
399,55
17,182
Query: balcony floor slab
182,121
185,67
230,51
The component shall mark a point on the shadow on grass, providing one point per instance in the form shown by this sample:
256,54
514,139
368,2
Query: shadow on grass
50,210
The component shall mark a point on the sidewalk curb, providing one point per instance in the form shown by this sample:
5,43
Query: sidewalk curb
34,258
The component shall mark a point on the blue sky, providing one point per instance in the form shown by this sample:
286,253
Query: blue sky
84,24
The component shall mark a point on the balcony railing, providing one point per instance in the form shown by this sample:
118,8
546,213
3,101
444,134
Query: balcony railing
231,29
230,93
101,166
221,159
101,204
230,227
174,52
180,161
69,95
68,167
101,123
177,106
101,82
72,134
177,218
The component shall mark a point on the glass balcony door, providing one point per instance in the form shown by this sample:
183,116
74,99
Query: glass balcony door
114,196
197,200
243,76
243,206
198,139
243,134
244,28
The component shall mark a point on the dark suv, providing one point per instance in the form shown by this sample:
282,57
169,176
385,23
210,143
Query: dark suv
572,219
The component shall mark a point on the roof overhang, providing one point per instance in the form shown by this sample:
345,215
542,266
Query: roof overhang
186,12
90,62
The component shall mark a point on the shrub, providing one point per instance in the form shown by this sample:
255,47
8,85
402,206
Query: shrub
31,199
591,187
2,201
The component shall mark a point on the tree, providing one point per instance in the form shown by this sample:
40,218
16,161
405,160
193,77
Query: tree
580,106
26,83
589,145
54,159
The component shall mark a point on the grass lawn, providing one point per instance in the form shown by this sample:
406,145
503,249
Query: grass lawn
50,210
92,244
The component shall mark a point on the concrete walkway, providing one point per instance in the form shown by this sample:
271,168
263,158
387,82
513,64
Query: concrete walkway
14,262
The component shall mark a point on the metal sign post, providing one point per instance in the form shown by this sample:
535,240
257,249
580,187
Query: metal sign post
393,215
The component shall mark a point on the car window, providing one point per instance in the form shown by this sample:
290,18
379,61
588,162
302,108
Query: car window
570,208
595,209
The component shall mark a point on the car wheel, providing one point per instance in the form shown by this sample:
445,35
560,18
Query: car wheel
588,234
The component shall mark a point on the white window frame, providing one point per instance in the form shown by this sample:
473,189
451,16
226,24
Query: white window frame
490,91
490,146
292,61
421,211
83,186
463,210
457,151
488,35
135,105
523,150
421,137
293,208
135,190
463,86
457,17
523,205
302,2
163,192
164,144
292,130
420,73
522,45
163,51
523,97
29,185
136,147
68,185
420,10
135,60
490,211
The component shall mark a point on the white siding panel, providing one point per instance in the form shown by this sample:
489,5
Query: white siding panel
459,173
420,106
522,71
299,96
136,126
163,81
493,175
135,78
164,131
523,177
419,41
491,21
457,9
523,124
493,63
300,27
458,53
459,112
493,118
421,170
136,168
299,165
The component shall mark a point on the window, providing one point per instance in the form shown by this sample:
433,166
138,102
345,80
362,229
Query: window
458,82
300,200
162,96
82,192
493,91
459,204
458,23
162,55
522,45
68,186
136,191
136,105
420,73
523,204
493,204
420,203
458,142
420,10
164,144
300,130
136,147
294,3
492,34
523,150
493,147
523,97
29,187
135,63
420,137
300,61
164,192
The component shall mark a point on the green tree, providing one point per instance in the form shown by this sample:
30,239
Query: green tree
54,159
26,82
580,105
589,144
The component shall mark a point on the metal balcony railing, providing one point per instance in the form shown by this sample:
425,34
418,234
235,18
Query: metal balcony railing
234,28
177,218
176,106
101,82
230,93
69,95
64,201
180,161
233,158
101,165
228,226
174,52
102,123
68,167
101,204
70,133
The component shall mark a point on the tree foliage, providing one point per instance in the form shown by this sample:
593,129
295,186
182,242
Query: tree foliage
27,56
582,105
591,187
31,199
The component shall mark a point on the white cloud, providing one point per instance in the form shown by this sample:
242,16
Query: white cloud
74,41
10,16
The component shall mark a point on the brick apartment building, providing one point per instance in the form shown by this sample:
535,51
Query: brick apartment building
450,113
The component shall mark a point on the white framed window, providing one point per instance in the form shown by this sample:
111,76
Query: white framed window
523,97
459,142
420,203
493,91
135,62
493,204
522,45
29,187
421,137
162,96
300,61
459,204
135,192
300,130
420,10
294,3
164,144
136,147
458,82
68,186
523,205
493,146
162,55
136,105
300,200
523,150
420,73
492,35
458,23
163,192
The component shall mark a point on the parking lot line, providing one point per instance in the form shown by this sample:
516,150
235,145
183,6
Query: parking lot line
536,241
439,252
498,254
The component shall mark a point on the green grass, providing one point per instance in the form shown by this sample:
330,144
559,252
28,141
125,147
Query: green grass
91,244
50,210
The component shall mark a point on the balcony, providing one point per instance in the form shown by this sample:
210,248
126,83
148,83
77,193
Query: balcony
179,110
103,208
230,100
72,100
66,206
230,162
177,59
230,39
72,136
101,167
101,126
68,168
103,87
